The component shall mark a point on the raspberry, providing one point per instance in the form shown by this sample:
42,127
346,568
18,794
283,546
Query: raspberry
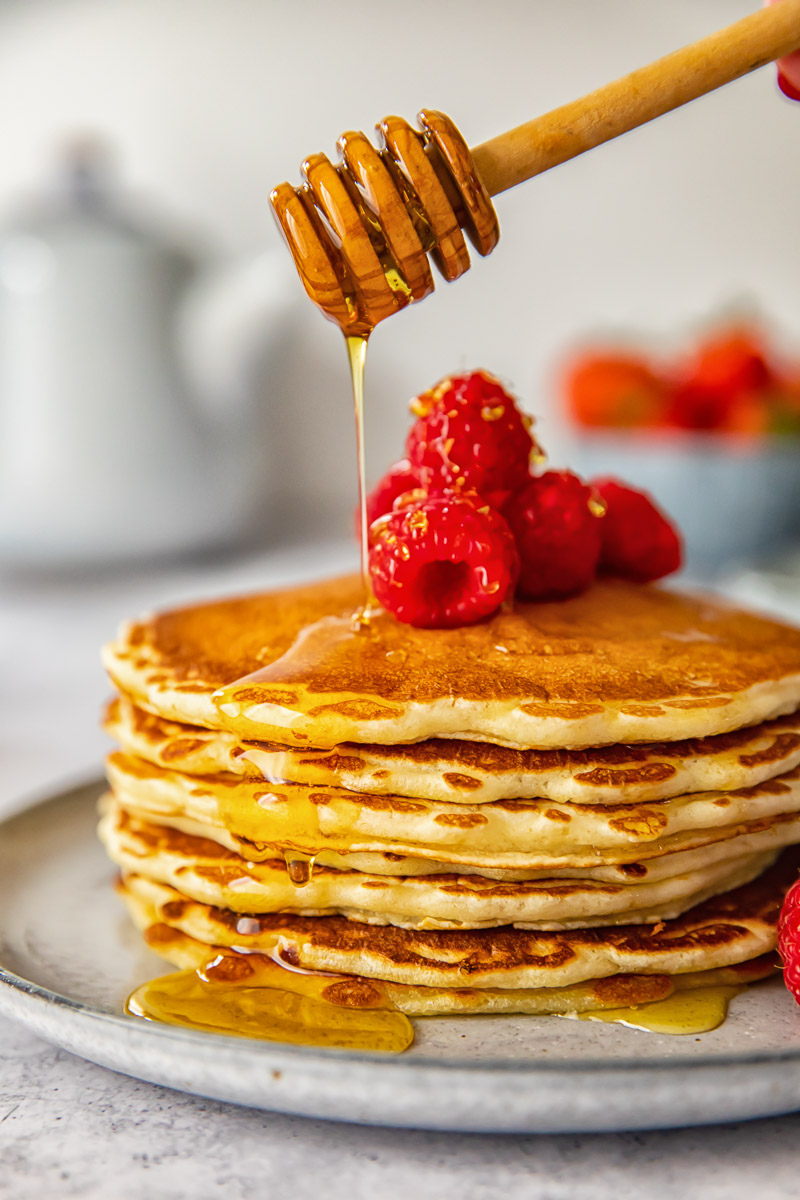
557,533
789,940
788,86
639,542
398,480
614,390
469,433
442,561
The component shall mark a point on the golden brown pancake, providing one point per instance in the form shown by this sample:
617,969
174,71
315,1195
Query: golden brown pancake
732,928
472,772
205,871
261,819
670,857
621,662
612,992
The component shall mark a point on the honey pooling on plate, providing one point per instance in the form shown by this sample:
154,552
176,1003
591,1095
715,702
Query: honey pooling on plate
309,1010
256,998
684,1013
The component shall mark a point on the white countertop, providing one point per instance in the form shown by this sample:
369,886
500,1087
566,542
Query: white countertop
69,1128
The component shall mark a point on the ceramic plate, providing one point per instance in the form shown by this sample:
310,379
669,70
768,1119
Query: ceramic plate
69,957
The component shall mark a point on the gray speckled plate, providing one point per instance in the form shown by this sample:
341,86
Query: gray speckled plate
68,959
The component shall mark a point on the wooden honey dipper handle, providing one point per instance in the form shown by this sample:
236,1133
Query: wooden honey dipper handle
519,154
361,231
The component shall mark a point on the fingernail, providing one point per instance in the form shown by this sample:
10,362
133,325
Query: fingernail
787,87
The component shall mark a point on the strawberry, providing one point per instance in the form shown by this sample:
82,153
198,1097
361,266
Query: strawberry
725,369
614,390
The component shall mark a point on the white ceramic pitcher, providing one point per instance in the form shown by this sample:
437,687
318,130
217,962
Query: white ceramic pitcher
133,414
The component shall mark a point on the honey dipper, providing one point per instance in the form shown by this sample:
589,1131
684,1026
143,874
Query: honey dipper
360,231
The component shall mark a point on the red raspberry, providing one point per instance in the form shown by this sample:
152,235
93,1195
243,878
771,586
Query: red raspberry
787,86
639,542
789,940
558,535
469,433
443,561
398,480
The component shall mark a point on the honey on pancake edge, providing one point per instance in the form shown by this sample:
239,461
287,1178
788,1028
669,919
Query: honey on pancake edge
273,1002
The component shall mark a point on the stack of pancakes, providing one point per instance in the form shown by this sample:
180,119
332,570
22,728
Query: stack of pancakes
571,806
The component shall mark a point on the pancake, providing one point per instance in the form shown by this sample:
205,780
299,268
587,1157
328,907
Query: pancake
448,770
621,662
260,819
205,871
732,928
612,992
678,855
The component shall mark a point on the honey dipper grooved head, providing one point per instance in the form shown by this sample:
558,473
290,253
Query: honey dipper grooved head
360,230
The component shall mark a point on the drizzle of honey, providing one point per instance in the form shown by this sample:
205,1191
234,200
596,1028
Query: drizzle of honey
261,999
697,1010
299,867
357,357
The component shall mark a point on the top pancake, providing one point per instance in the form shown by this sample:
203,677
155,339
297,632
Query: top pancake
621,662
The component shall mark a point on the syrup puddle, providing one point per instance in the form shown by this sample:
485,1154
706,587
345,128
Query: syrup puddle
258,998
698,1010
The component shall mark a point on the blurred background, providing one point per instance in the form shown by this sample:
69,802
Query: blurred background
175,416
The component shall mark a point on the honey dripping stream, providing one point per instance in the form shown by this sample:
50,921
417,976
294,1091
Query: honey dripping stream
256,997
357,357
